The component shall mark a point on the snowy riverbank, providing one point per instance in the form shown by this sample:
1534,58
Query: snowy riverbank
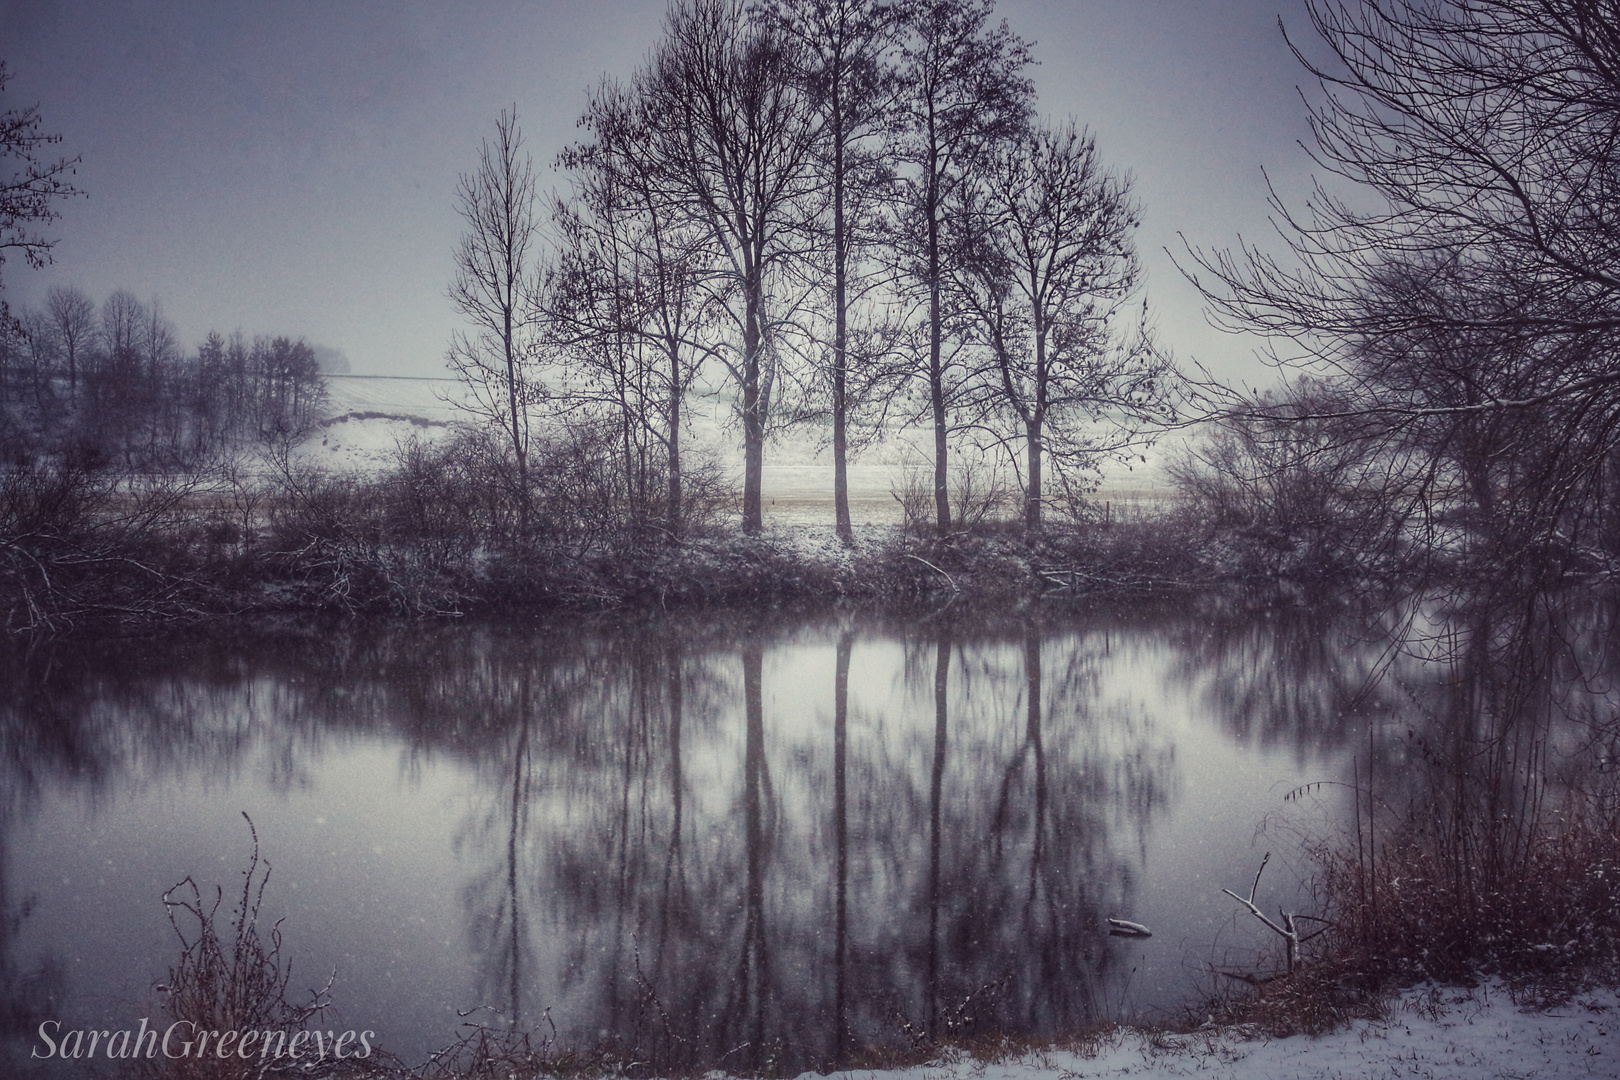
1445,1034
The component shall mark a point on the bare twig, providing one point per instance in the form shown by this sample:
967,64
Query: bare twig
949,580
1287,931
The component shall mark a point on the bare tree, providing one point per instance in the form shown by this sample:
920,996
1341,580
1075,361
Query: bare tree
38,352
73,321
735,142
159,346
14,359
844,50
31,186
962,91
160,355
122,314
629,296
493,289
1042,258
1483,130
118,396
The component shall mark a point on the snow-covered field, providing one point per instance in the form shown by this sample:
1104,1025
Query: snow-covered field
370,416
1434,1034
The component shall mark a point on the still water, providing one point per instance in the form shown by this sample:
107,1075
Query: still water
738,840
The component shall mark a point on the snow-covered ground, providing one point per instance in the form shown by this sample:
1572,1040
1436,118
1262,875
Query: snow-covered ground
431,399
1435,1034
370,416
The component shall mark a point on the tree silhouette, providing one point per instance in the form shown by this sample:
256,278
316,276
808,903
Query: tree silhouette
31,185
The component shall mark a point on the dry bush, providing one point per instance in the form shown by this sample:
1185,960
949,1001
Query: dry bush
234,978
1304,492
486,1053
1417,905
1404,907
913,489
326,540
79,543
442,502
1136,547
402,543
980,497
588,503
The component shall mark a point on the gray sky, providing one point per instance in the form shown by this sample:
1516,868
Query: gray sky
289,166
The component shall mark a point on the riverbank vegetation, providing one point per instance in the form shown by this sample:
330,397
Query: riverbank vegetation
1478,839
1436,893
1447,291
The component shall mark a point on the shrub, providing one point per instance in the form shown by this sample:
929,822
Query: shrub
1303,487
233,978
79,542
1421,905
980,497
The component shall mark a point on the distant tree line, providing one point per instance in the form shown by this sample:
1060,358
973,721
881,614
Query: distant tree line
839,211
112,381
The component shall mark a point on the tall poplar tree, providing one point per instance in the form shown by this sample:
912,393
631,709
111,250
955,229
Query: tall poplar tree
494,289
963,90
735,144
845,51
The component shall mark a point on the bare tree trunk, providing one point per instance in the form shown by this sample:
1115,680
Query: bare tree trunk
752,411
936,367
1032,492
674,468
846,531
520,448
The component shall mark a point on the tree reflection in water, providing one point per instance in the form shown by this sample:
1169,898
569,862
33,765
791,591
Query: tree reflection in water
771,843
1499,767
1482,723
786,879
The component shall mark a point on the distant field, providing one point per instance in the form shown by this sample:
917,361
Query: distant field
427,398
798,471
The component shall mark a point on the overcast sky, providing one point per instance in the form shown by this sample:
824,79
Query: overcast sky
289,167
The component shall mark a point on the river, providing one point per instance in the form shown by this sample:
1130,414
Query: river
753,841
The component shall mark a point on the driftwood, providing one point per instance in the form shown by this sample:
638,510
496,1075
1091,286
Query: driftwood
1126,928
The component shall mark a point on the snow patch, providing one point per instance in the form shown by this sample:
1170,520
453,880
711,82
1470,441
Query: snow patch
1433,1033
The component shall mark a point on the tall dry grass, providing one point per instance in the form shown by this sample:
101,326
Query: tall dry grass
1411,903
